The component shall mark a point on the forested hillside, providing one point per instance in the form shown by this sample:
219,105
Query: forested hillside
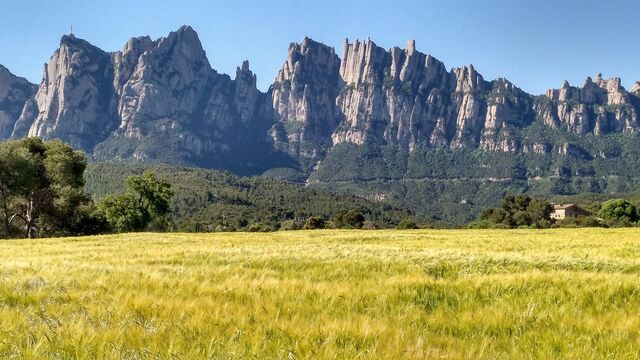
216,200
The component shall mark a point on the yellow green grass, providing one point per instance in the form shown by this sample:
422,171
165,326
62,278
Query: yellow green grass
565,293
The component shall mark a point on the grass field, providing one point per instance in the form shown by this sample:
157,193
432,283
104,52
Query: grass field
324,294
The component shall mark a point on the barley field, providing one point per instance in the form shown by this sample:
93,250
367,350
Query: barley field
442,294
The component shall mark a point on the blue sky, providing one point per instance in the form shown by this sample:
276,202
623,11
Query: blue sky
536,44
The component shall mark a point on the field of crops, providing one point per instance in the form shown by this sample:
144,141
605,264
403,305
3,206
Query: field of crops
324,294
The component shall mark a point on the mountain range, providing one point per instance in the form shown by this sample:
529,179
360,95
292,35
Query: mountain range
392,125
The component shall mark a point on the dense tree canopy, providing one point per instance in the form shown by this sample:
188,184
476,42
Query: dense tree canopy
146,201
351,219
619,210
519,211
42,189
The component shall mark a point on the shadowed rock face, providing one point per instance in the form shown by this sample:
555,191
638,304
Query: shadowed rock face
160,100
14,92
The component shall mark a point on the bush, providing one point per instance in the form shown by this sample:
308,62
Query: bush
289,225
369,225
314,223
349,219
407,224
258,227
585,221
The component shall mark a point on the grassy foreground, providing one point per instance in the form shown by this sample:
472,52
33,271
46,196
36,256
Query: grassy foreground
324,294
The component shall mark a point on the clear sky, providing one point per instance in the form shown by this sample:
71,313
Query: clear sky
536,44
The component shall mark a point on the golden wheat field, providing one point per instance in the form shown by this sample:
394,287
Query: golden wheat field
564,293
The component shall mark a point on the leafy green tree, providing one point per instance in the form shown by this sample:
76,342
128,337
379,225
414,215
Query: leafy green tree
539,210
42,188
619,210
518,211
124,213
352,219
146,200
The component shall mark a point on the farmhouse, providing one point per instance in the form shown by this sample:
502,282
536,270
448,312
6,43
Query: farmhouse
564,211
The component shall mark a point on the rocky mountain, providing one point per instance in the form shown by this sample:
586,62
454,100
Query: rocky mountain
14,92
74,101
303,98
387,124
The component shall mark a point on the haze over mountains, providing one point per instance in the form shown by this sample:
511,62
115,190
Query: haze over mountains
387,124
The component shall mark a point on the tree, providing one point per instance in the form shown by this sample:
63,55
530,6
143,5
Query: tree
145,201
352,219
516,211
619,210
41,188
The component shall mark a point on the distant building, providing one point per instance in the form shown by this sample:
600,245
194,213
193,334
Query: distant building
564,211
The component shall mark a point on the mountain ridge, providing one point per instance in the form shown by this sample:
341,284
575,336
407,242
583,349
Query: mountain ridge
372,115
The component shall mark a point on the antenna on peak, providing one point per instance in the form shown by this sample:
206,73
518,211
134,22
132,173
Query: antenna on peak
71,33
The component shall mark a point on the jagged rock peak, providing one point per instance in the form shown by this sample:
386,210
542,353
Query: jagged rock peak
74,101
303,99
600,106
362,62
411,46
245,66
14,92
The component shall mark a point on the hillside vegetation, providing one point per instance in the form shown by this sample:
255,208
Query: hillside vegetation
324,294
218,200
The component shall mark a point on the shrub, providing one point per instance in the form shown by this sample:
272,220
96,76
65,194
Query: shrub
314,223
350,219
369,225
407,224
288,225
258,227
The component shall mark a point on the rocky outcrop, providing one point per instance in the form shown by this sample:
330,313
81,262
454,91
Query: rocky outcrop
408,98
168,84
173,107
598,107
396,97
508,108
14,92
75,100
635,89
160,100
303,100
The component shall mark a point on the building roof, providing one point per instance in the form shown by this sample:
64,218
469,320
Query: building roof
562,206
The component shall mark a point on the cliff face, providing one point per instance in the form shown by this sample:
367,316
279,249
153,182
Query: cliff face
599,107
303,99
75,101
153,101
14,92
406,98
160,100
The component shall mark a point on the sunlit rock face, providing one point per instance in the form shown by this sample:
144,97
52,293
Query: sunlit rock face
405,97
75,100
161,100
303,98
598,107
